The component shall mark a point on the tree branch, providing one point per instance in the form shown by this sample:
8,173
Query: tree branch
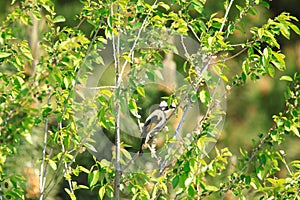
116,54
226,15
136,41
43,166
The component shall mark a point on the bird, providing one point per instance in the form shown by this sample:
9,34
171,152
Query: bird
154,123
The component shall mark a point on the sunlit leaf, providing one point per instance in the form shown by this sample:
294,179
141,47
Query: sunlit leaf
59,19
90,147
141,91
93,178
286,78
4,54
188,181
101,192
52,164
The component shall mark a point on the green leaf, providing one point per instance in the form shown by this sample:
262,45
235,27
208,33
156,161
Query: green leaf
90,147
175,181
150,75
295,130
26,50
188,181
164,187
284,29
66,82
52,164
247,179
270,36
271,70
109,191
211,188
260,33
141,91
204,96
245,67
48,7
266,53
286,78
164,5
133,108
125,153
101,192
191,191
72,195
4,54
46,110
224,77
108,93
93,178
278,65
265,4
59,19
295,29
279,57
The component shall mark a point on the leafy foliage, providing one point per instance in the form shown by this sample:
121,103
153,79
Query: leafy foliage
41,77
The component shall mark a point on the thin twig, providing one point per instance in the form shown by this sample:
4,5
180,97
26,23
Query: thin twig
79,24
226,15
196,36
116,54
130,161
43,167
97,88
90,47
55,175
254,153
65,163
1,190
187,107
135,42
42,195
231,57
285,163
182,120
69,165
77,151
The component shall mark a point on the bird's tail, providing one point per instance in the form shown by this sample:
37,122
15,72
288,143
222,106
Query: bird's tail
141,147
141,150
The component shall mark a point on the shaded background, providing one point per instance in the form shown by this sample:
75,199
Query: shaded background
249,108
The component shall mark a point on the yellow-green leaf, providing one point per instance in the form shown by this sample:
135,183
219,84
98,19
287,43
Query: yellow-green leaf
125,153
4,54
52,164
286,78
295,130
101,192
93,178
141,91
90,147
106,92
59,19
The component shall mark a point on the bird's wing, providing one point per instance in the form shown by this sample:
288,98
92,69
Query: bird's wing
151,122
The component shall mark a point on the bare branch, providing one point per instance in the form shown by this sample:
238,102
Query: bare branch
98,87
135,42
196,36
116,54
65,163
226,15
43,172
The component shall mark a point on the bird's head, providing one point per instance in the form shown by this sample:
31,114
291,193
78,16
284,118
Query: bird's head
164,106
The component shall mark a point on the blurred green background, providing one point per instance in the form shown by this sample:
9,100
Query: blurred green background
249,108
